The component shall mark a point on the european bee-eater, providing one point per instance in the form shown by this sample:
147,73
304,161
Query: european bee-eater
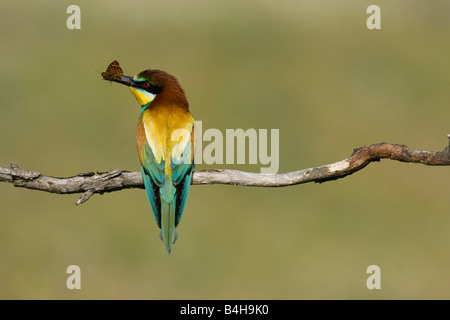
165,143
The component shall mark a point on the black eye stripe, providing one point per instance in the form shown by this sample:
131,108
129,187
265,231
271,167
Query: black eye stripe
148,86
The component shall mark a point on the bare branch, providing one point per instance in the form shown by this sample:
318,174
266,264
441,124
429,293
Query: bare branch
117,179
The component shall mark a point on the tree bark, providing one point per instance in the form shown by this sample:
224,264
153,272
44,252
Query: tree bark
117,179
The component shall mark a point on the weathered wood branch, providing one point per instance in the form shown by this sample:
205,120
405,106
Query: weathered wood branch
117,179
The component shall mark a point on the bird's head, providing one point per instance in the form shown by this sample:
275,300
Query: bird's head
149,84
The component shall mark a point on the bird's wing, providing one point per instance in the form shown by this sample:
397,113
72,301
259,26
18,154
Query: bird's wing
152,170
153,175
182,168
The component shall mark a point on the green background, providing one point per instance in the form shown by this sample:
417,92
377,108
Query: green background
311,69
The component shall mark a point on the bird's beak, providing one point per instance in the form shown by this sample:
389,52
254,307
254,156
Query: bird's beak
142,96
126,80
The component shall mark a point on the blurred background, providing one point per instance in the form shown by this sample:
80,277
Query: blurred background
311,69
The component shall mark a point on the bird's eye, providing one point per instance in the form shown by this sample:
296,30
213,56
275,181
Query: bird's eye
149,87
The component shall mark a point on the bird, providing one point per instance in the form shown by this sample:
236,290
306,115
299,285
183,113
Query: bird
165,143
